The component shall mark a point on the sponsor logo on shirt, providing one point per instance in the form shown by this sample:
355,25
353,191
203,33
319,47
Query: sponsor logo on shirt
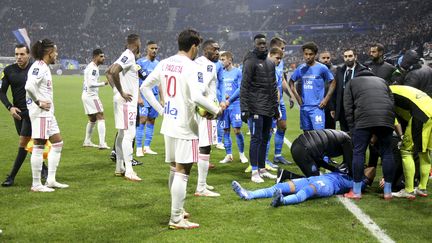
94,72
170,110
35,71
200,77
209,68
124,59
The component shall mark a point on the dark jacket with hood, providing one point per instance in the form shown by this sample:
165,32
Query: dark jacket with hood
418,76
258,92
368,102
339,91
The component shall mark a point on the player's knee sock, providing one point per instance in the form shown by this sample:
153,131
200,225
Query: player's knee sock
89,130
101,131
300,196
227,142
148,134
268,146
139,135
22,153
409,169
36,161
268,192
178,195
119,151
357,187
220,132
203,165
387,188
171,176
278,142
127,150
240,142
53,160
424,169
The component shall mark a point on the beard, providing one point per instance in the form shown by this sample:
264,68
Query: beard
349,63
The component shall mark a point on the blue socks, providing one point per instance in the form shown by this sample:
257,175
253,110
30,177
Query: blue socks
220,131
240,142
357,188
148,134
268,192
301,196
139,135
279,140
227,142
387,188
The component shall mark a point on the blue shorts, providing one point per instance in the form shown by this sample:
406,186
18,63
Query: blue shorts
312,118
147,112
231,117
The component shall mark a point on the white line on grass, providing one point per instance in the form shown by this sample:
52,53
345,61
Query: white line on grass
367,222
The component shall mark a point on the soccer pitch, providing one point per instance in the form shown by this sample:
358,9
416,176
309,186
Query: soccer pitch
99,207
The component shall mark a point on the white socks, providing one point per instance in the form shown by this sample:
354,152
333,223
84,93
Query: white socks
53,160
178,195
203,166
171,176
101,131
119,152
89,130
36,161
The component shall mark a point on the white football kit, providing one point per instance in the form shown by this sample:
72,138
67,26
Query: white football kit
125,112
39,88
181,81
90,95
207,128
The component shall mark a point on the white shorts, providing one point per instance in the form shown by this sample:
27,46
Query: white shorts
207,132
125,115
44,127
92,105
181,151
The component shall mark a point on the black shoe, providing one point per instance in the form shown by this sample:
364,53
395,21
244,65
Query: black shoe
136,162
44,172
8,182
280,175
113,156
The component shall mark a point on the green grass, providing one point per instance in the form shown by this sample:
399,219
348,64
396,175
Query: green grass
99,207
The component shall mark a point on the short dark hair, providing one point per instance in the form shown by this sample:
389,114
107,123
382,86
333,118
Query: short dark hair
22,46
150,42
187,38
311,46
259,36
350,49
276,40
379,46
41,47
132,38
208,43
97,52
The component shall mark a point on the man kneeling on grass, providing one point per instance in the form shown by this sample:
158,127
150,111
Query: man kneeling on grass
299,190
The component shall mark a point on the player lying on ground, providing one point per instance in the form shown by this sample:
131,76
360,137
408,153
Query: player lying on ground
299,190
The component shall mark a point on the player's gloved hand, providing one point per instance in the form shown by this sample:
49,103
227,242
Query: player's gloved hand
399,144
245,116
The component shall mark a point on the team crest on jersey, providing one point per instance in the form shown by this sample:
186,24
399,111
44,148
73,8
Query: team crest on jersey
200,77
124,59
209,68
35,71
94,73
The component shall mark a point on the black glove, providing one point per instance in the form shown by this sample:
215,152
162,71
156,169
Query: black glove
291,105
277,112
245,116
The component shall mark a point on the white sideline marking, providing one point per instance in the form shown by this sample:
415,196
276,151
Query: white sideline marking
367,222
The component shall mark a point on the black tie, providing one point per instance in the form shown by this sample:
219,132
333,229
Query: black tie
348,75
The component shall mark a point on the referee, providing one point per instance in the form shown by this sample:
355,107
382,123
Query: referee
15,76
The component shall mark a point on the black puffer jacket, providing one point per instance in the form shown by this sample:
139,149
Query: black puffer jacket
368,102
258,92
418,76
